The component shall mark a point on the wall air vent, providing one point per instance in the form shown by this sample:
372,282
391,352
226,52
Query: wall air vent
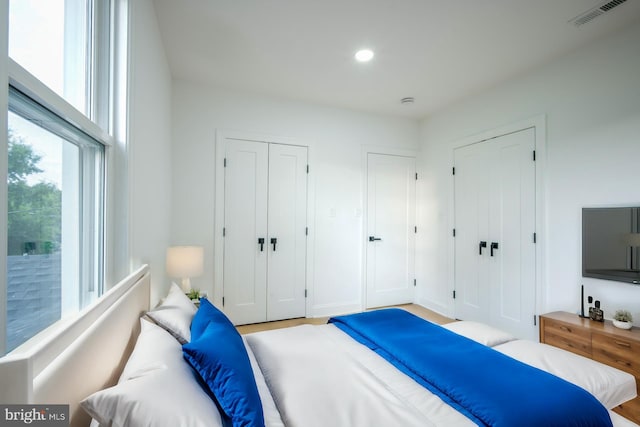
593,13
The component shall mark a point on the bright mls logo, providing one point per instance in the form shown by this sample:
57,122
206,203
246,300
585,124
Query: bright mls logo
35,415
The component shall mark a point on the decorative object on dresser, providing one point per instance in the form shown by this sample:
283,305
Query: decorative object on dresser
595,313
622,319
600,341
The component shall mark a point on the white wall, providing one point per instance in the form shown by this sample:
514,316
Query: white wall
149,147
335,138
591,99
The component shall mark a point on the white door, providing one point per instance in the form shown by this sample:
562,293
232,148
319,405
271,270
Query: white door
391,221
287,231
512,225
265,209
495,205
471,200
245,216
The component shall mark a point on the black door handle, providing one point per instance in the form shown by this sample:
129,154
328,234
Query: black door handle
494,245
373,239
273,242
261,243
481,245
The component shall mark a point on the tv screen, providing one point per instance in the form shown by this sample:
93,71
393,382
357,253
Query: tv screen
611,243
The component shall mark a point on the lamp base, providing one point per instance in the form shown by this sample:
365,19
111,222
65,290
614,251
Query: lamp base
186,284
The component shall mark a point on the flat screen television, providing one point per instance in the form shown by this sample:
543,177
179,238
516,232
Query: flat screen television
611,243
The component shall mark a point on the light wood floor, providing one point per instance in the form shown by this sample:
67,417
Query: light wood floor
412,308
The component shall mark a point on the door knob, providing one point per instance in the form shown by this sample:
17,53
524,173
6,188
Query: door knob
481,245
373,239
273,242
494,245
261,243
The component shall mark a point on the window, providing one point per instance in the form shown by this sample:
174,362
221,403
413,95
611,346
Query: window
54,232
65,45
67,73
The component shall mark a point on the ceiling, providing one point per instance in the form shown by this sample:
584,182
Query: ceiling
435,51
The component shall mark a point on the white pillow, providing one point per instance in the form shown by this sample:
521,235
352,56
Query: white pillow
175,314
166,396
479,332
609,385
147,354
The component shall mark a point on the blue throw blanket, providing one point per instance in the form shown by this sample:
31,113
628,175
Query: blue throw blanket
487,386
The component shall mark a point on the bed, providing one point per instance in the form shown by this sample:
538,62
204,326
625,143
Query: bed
302,376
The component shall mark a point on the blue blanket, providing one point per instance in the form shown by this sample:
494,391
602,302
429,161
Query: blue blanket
487,386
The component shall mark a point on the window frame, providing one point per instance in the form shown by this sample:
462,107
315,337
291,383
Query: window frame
106,122
4,106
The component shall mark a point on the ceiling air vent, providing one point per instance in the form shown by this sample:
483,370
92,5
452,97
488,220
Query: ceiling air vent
593,13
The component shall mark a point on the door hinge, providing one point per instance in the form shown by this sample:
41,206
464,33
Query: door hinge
225,162
534,155
454,170
535,320
224,231
223,301
306,231
414,282
307,168
454,232
415,229
454,294
416,176
305,293
535,237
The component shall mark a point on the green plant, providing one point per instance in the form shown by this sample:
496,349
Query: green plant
193,294
623,316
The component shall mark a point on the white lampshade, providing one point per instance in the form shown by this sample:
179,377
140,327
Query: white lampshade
185,262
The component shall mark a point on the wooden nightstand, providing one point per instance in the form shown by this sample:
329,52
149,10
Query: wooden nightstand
600,341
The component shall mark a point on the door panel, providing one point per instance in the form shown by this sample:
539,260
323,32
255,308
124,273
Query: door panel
472,228
245,266
391,210
512,225
287,223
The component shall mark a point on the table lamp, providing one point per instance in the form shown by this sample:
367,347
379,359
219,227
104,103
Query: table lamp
185,262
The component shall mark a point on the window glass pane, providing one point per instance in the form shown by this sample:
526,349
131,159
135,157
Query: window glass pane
50,39
34,294
54,235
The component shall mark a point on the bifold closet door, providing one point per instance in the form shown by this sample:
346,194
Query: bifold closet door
245,216
265,217
495,255
286,267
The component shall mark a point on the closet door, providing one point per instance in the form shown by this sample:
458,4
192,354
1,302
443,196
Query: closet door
512,269
245,211
287,231
472,232
495,206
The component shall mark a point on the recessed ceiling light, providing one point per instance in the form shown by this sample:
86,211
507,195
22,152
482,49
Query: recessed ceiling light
364,55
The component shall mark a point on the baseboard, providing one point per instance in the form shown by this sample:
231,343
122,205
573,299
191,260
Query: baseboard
328,310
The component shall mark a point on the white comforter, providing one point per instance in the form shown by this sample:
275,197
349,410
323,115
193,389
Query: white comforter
319,376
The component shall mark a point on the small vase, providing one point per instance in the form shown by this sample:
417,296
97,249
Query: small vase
622,325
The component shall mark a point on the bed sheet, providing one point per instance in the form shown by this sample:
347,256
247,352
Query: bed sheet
609,385
311,371
271,414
